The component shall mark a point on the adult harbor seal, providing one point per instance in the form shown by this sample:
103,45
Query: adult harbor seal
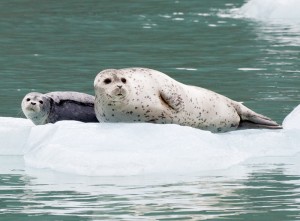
57,106
145,95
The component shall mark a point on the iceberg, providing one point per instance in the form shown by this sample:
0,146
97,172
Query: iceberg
126,149
271,9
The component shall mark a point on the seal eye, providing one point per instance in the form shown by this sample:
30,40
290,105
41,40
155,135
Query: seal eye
107,81
28,99
123,80
41,102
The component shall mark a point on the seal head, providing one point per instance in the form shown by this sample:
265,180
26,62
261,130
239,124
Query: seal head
112,86
36,106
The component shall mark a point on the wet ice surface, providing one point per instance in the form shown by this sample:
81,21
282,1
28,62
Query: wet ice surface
124,149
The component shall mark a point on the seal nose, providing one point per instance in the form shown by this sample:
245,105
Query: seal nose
33,103
119,86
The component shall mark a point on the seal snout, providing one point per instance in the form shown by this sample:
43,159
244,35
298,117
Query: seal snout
30,108
120,91
33,103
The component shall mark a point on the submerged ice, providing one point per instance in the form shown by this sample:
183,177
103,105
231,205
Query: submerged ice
121,149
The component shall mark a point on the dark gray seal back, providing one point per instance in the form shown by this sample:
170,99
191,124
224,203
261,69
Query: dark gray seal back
71,106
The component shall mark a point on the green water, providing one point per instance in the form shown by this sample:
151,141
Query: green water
61,45
252,191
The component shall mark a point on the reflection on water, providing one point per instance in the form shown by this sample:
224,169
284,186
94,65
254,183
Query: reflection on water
257,190
280,59
277,51
280,35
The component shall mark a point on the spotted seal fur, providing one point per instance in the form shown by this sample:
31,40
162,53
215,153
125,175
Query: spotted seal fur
56,106
146,95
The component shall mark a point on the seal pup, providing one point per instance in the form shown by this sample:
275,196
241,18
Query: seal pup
146,95
56,106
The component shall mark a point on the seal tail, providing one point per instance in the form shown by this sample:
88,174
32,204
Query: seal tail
252,120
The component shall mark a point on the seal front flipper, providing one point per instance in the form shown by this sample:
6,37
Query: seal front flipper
251,119
171,99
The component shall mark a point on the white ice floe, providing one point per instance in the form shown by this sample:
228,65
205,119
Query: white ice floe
271,9
122,149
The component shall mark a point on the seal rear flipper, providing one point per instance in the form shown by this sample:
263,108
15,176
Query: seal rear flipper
251,119
245,124
259,123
